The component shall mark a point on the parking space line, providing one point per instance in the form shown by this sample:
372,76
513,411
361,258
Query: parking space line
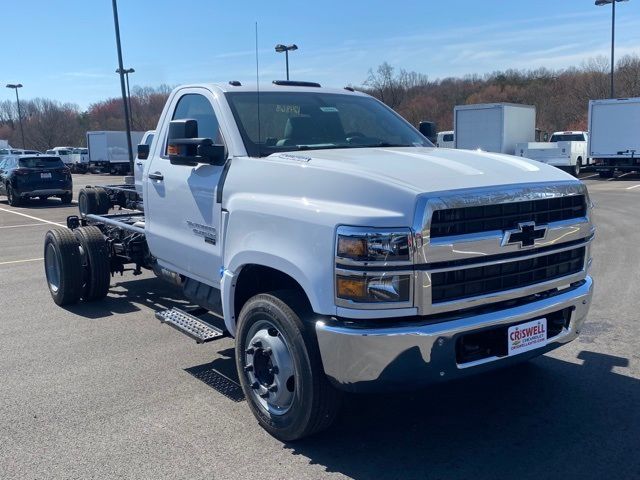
631,188
23,225
22,261
32,217
589,176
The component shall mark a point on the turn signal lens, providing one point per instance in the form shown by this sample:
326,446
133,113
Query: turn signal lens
352,288
378,289
172,150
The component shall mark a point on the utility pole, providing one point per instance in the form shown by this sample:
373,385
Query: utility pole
122,85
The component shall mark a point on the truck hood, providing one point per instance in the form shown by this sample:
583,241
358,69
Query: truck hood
424,169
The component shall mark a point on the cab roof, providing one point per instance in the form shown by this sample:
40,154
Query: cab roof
228,87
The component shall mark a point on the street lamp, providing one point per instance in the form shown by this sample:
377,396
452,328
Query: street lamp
600,3
116,25
286,48
126,72
16,86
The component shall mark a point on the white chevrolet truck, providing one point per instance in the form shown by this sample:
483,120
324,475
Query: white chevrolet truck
565,150
343,251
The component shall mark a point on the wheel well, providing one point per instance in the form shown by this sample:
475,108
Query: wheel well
255,279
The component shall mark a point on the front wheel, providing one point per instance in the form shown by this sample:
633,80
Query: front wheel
280,369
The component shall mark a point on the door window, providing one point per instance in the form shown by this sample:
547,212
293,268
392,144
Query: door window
198,107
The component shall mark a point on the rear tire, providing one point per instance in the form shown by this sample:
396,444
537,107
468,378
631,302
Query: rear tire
95,263
309,404
87,202
63,266
103,201
577,168
67,198
12,197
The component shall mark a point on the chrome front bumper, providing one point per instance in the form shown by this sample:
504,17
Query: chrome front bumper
409,356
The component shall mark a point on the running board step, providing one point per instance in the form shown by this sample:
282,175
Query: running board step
191,326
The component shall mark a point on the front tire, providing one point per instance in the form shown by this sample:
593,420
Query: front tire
294,399
63,266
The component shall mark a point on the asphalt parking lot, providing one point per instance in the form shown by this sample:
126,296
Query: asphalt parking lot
104,390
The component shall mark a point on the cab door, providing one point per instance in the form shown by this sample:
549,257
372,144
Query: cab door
182,215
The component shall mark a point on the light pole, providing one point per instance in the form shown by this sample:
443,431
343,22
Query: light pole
122,88
599,3
126,72
286,48
16,86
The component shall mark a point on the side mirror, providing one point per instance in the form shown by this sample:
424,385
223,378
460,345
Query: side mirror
143,151
429,130
185,148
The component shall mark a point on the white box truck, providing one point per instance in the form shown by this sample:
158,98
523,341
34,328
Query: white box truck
493,127
614,135
108,150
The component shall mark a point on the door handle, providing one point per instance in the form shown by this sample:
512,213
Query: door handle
156,176
139,164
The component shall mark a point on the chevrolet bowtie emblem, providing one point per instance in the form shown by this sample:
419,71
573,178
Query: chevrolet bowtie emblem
526,234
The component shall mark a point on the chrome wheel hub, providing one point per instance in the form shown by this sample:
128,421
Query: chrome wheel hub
269,368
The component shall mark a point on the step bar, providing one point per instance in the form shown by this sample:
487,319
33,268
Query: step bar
190,325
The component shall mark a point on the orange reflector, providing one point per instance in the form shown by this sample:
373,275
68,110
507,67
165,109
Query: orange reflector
351,288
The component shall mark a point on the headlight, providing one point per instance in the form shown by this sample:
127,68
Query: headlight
359,246
374,267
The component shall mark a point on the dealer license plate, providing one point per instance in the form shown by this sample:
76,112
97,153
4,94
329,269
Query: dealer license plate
527,336
45,175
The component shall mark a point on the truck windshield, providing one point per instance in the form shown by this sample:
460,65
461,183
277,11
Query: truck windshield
567,137
291,121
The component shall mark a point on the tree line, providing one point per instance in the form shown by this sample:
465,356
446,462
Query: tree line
561,99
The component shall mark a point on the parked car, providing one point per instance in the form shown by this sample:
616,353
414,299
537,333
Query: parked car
65,154
29,176
80,160
565,150
445,139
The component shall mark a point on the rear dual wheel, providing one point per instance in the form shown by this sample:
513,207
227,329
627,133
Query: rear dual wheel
93,200
76,265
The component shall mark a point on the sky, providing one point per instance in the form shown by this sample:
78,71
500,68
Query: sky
65,50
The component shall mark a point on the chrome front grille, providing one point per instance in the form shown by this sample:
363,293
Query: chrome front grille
505,216
463,260
470,282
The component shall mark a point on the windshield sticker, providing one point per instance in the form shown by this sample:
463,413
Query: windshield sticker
292,156
329,109
288,109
